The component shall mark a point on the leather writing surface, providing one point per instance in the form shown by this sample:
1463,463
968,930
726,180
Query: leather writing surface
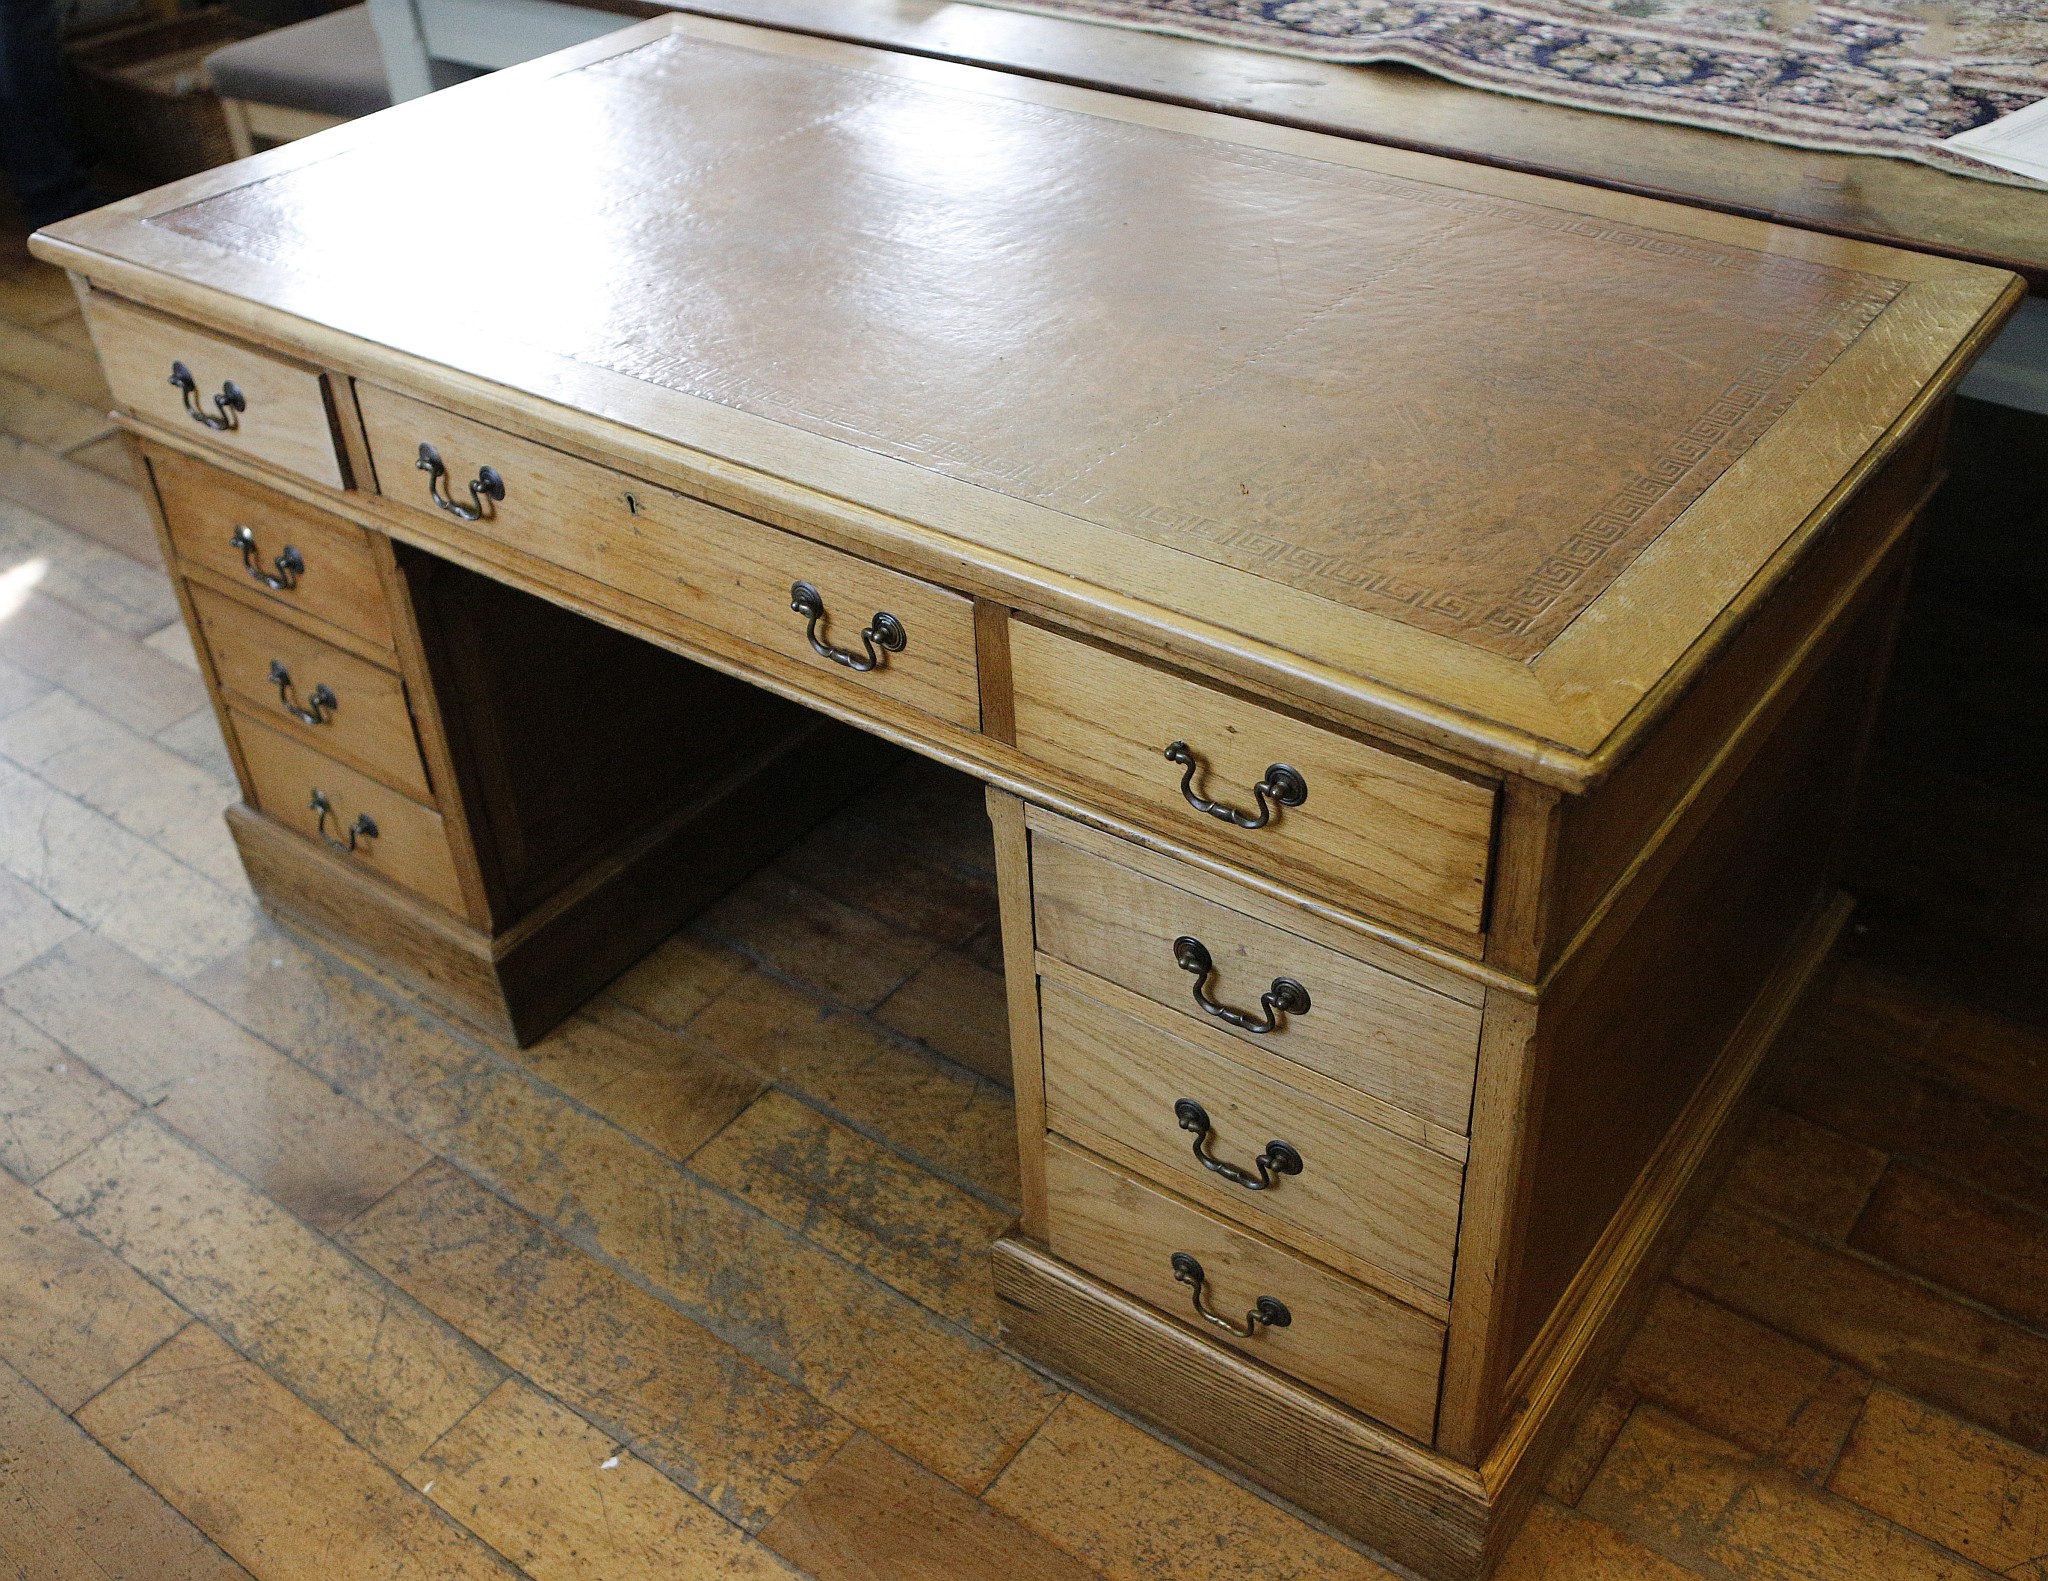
1466,412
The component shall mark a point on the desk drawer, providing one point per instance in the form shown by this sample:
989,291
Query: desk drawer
1362,1197
1367,1027
277,410
345,707
725,571
1376,830
302,560
409,846
1352,1343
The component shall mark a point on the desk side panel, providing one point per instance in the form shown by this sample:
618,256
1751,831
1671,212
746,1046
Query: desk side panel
1638,1015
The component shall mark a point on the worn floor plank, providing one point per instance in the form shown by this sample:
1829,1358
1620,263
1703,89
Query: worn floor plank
360,1351
859,864
59,1487
268,1479
309,1148
671,1091
949,1399
1990,1250
76,1317
1881,1322
1957,1485
1747,1383
144,787
943,1115
1558,1544
125,681
735,1435
103,585
679,977
956,1008
170,916
1808,1176
872,1515
1706,1505
855,1197
838,951
52,1105
565,1502
1132,1507
85,499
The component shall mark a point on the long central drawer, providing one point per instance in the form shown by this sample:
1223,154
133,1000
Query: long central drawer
722,570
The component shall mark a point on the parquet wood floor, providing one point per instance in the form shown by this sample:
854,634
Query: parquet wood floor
298,1282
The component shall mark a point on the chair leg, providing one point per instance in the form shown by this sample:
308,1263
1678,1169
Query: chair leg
240,138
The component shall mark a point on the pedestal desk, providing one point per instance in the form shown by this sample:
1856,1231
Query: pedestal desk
1419,625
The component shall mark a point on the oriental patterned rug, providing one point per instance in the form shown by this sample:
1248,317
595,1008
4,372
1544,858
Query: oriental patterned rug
1879,77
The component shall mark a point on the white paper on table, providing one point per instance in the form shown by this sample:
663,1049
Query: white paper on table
2016,142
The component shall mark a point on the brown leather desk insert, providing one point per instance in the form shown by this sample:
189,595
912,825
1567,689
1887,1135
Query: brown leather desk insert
1419,625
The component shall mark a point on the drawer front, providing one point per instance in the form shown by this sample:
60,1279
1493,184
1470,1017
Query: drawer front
1375,827
722,570
409,848
1350,1342
303,560
1360,1196
346,708
1366,1027
282,416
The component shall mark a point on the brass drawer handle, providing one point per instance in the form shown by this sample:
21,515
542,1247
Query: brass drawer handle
486,485
1282,787
1266,1313
227,406
364,828
1278,1159
290,565
884,632
319,709
1285,998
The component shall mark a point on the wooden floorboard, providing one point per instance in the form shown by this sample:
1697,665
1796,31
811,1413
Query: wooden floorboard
297,1281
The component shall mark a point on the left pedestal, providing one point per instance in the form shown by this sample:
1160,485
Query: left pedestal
500,801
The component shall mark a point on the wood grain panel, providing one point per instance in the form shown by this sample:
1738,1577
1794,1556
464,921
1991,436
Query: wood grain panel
204,506
1013,847
1346,1340
285,420
1377,826
1366,1200
710,565
1365,1026
369,726
410,847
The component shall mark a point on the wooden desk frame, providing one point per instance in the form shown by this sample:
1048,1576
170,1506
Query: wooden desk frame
1670,780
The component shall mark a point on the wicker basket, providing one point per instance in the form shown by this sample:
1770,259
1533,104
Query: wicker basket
142,95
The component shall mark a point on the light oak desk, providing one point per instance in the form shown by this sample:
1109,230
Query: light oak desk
1419,624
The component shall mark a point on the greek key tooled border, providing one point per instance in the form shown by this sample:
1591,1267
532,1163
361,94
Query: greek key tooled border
1741,401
